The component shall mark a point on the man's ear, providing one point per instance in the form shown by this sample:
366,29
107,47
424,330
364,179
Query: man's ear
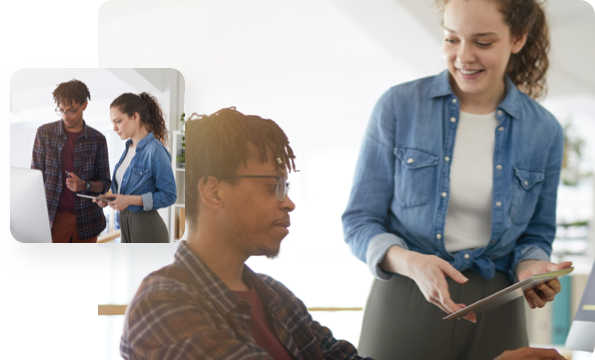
209,192
85,105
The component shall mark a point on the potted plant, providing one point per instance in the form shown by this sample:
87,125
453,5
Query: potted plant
182,156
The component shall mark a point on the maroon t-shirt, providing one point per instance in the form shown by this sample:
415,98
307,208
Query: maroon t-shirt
67,196
260,328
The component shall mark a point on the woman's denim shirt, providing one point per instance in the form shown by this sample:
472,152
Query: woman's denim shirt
404,167
149,175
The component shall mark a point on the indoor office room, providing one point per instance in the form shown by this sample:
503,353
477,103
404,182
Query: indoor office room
34,107
318,76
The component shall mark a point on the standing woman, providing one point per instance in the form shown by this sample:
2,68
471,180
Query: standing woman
454,194
143,178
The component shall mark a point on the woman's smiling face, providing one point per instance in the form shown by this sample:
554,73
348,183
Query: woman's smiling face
477,47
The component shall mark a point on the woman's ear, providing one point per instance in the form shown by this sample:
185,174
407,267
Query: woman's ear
209,192
518,42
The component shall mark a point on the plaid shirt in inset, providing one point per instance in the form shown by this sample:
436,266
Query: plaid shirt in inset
90,160
185,312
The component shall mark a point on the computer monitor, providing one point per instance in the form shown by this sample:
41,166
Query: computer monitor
29,220
582,331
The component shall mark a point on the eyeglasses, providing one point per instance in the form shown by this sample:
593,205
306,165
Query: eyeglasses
282,186
69,113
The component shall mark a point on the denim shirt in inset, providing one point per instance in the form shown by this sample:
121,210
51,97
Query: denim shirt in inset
404,167
149,175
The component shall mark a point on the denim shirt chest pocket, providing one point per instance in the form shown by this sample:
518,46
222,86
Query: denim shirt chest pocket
415,172
525,192
138,176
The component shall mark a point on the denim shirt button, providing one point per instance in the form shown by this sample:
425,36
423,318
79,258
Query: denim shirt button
452,119
447,159
499,167
409,161
454,101
501,128
438,236
466,256
499,112
498,204
444,194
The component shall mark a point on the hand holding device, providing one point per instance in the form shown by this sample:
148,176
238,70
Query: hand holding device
510,293
540,295
101,201
118,202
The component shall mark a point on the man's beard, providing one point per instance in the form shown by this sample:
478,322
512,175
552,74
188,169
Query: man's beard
269,253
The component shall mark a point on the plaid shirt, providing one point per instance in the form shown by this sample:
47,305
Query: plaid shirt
184,311
90,164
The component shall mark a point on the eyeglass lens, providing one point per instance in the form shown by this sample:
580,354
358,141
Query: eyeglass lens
69,113
282,188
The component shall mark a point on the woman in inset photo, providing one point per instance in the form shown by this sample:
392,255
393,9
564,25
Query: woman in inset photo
143,179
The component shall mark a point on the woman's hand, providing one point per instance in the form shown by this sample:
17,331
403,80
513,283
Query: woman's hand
540,295
527,353
100,203
429,273
119,202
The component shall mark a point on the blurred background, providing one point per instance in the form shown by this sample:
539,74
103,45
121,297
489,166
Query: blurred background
317,67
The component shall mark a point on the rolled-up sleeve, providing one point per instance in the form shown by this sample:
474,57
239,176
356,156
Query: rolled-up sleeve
366,216
165,193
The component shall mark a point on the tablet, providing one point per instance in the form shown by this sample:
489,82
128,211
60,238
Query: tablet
510,293
95,197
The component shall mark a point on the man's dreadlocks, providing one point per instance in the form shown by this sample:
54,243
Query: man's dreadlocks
217,144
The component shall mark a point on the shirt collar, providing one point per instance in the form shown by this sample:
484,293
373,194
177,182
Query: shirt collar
143,142
212,287
61,128
441,87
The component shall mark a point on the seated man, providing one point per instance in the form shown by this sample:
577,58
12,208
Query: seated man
208,304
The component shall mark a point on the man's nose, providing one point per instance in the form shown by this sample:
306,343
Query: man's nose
288,204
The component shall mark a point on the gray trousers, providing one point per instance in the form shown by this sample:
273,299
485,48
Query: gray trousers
142,227
400,324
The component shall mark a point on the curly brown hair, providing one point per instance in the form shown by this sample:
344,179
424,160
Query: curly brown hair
67,92
149,111
217,144
527,69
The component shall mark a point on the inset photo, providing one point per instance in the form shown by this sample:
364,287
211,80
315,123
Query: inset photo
97,155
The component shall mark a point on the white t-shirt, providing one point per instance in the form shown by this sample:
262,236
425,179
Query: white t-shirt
124,165
469,216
